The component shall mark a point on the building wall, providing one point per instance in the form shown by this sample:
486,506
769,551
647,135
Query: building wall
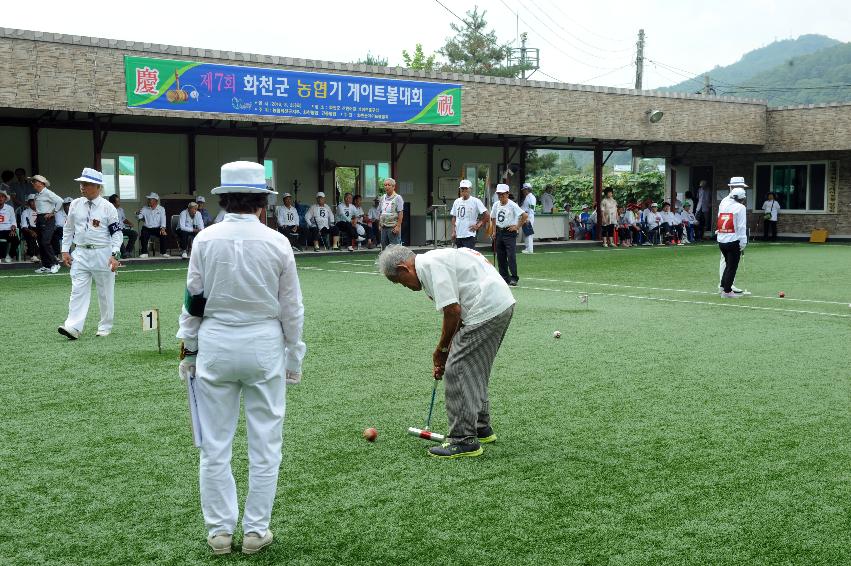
820,128
55,72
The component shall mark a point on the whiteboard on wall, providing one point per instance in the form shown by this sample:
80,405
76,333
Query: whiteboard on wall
447,188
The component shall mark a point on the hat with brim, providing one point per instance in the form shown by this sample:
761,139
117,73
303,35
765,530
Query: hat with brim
501,188
200,199
527,186
154,196
243,177
67,200
737,182
30,197
90,175
40,179
320,194
286,195
465,184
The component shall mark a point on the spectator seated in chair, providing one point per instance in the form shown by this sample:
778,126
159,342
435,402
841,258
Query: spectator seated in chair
9,240
320,219
346,221
188,225
689,223
666,228
362,223
126,228
652,222
154,224
29,230
583,224
289,221
677,227
202,210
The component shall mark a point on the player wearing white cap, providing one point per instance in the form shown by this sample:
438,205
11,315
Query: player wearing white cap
320,221
468,215
528,206
507,219
202,210
732,234
241,327
93,228
154,223
286,216
47,204
189,223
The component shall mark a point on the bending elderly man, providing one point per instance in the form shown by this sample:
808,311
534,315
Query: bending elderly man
477,307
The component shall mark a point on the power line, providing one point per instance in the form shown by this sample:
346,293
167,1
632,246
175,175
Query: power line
592,32
586,81
554,21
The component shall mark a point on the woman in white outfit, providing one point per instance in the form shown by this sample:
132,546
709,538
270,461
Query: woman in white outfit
242,318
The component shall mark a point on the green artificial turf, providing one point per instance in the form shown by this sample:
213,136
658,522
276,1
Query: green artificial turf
664,427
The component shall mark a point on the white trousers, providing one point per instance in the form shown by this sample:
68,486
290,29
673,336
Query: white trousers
233,360
529,239
87,265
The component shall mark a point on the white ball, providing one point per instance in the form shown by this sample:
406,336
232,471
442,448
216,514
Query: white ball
557,334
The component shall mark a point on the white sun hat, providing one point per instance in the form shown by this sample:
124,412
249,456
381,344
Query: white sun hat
90,175
502,188
737,182
243,177
154,196
465,184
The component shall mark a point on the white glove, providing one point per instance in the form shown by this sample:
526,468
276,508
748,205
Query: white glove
186,369
293,377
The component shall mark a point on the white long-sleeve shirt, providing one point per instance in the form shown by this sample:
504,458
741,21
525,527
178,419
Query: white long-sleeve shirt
286,216
547,203
732,222
60,218
247,274
153,218
7,217
187,223
28,218
47,201
773,207
94,223
653,219
345,212
319,216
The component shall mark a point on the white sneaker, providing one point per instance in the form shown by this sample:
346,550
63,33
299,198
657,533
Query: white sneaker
166,255
42,270
70,333
253,542
525,252
55,268
7,259
351,249
35,259
143,256
102,333
184,255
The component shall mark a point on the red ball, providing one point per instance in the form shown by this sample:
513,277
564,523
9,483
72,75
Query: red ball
370,434
781,294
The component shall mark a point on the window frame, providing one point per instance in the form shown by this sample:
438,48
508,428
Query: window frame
757,206
486,195
379,189
115,156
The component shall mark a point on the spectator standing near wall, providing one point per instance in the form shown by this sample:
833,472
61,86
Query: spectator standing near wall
704,205
468,215
528,206
392,214
609,210
8,229
154,223
547,200
47,204
20,188
770,209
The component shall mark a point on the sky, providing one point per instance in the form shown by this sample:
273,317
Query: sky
585,43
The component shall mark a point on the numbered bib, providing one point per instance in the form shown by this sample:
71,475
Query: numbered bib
725,223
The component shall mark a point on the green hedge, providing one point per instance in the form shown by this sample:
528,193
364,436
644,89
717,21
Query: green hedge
578,189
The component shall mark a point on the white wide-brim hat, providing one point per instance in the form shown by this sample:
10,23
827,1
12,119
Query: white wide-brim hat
502,188
243,177
737,182
90,175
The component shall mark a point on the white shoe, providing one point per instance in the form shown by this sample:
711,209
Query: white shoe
525,252
102,333
184,255
350,248
7,259
605,245
55,268
253,542
143,256
42,270
34,259
166,255
70,333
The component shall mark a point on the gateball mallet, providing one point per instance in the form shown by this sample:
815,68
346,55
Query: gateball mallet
425,432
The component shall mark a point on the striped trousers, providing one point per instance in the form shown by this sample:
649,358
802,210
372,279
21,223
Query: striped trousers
467,374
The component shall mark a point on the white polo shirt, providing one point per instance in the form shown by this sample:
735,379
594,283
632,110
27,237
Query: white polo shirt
153,218
47,201
188,223
286,216
345,212
506,215
28,218
465,277
466,213
319,216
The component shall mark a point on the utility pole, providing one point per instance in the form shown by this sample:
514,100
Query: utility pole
523,54
707,87
639,59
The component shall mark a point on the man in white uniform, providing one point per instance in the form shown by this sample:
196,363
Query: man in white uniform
732,233
154,223
320,221
8,229
735,182
547,200
477,307
286,216
189,224
242,318
507,219
93,228
528,206
47,204
468,215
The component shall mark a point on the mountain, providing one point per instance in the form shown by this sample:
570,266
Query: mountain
758,61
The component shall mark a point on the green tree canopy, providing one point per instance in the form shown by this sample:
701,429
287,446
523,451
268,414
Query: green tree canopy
474,50
418,60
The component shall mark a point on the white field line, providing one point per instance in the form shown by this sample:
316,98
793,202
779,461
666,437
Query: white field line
692,291
736,305
120,271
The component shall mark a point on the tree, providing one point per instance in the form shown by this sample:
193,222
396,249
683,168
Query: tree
475,51
541,162
375,60
419,61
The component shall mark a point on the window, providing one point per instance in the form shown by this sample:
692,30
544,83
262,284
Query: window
374,173
119,176
479,174
796,186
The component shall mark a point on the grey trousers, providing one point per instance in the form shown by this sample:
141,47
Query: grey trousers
388,237
467,374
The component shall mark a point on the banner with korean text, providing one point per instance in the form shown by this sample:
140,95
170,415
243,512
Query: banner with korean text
187,86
